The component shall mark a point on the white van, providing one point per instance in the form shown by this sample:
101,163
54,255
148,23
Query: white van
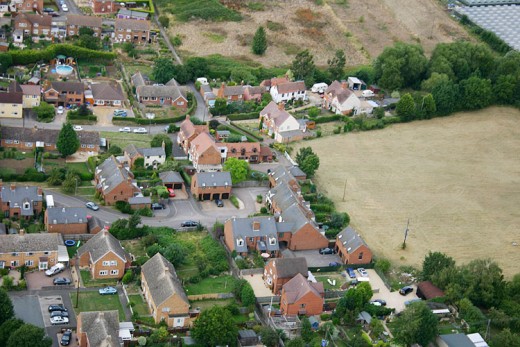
367,93
319,88
202,80
50,200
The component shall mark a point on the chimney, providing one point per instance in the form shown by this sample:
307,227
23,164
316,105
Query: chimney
344,84
22,232
256,226
105,231
13,187
166,269
40,190
281,106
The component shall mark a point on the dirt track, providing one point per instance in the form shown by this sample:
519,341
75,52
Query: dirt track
456,179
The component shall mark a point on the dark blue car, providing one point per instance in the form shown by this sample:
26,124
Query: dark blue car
351,272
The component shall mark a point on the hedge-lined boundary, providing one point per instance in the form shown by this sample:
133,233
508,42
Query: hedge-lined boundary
328,119
247,132
77,117
243,116
30,56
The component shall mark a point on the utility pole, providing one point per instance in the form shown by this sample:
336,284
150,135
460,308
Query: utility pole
77,280
345,190
406,233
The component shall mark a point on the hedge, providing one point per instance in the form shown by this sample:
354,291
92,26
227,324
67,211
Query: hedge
29,56
144,121
322,208
247,132
328,119
243,116
77,117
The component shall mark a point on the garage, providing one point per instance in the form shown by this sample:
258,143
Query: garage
178,186
216,196
225,195
206,196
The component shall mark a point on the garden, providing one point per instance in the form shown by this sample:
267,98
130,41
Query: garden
93,301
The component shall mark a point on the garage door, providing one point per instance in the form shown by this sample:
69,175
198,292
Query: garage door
206,196
225,195
177,186
216,196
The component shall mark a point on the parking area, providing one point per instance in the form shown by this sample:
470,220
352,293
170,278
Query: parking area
105,114
73,340
208,206
314,258
257,282
45,301
393,299
27,308
36,280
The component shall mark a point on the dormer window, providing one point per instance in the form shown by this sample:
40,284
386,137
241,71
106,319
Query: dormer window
26,205
272,241
240,242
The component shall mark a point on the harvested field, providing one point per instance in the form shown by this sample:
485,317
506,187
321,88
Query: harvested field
456,179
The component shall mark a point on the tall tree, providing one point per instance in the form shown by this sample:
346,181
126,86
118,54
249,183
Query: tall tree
417,324
163,70
29,335
406,108
7,328
303,67
505,338
485,282
215,326
237,168
337,65
6,307
435,262
428,106
247,295
68,141
158,141
259,41
476,93
175,253
306,331
308,161
446,97
269,337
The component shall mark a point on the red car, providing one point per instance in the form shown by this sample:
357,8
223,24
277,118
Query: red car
172,193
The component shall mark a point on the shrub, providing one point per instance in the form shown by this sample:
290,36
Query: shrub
145,212
128,277
124,207
383,265
263,210
259,198
234,201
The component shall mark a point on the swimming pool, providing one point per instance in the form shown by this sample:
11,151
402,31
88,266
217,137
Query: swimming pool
64,70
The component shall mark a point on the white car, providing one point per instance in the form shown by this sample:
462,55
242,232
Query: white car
77,127
362,272
140,131
125,130
60,110
55,269
64,8
59,320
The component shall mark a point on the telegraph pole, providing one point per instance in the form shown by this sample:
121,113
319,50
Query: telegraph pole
406,233
345,190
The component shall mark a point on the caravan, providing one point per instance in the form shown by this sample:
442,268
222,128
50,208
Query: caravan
319,88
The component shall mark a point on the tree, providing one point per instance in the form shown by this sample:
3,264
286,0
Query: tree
428,106
237,168
169,165
164,21
383,265
406,108
29,335
6,61
505,338
476,93
7,282
247,295
269,337
306,331
175,253
215,326
376,327
220,107
378,112
115,150
339,220
7,328
417,324
44,112
163,70
308,161
433,263
297,342
68,142
337,64
259,41
485,282
55,177
134,221
213,124
241,75
89,41
70,182
436,79
158,140
6,307
446,97
303,67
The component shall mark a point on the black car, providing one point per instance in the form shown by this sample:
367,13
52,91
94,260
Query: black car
60,314
327,251
61,281
406,290
157,206
219,203
65,339
381,302
53,308
189,223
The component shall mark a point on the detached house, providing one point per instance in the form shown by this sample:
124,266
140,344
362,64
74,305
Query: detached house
351,248
20,201
153,157
279,271
188,132
131,30
76,22
300,297
278,122
105,6
64,93
115,182
205,155
164,293
169,94
207,94
34,25
231,93
31,250
253,93
98,328
104,256
31,95
342,100
211,185
287,91
105,94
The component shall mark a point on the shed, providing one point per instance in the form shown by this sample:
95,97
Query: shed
247,338
364,318
139,202
427,291
315,323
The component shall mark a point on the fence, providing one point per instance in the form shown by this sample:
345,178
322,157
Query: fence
288,156
211,296
267,299
248,272
78,237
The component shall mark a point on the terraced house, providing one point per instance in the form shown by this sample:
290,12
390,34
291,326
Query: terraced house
66,220
132,30
20,201
34,25
31,250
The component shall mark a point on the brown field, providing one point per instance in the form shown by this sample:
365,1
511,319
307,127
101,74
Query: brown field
362,28
457,179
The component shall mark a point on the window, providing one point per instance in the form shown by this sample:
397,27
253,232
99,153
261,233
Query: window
28,144
240,242
103,273
29,263
46,253
106,263
251,239
113,263
302,306
360,256
14,263
272,241
29,253
180,103
83,146
16,142
14,254
114,272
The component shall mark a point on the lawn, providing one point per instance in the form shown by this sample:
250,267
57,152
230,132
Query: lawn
124,139
135,247
89,282
93,301
221,284
140,306
332,276
133,68
78,167
205,304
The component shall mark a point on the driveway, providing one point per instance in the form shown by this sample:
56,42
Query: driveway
36,280
106,113
393,299
314,258
257,282
46,300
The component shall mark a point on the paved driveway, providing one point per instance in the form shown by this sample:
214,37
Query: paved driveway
27,308
393,299
315,259
37,279
105,113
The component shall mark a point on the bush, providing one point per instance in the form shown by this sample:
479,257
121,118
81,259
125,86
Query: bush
243,116
263,210
128,277
328,119
124,207
31,56
234,201
145,212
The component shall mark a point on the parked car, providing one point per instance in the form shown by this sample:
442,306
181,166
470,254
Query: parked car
60,307
60,110
362,272
54,14
120,113
406,290
56,269
60,314
108,291
157,206
378,302
92,206
189,223
66,337
64,8
351,272
140,131
219,203
125,130
48,9
327,251
171,193
61,281
77,127
334,263
59,320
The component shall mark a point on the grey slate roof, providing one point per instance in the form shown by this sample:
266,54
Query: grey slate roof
20,195
170,89
138,79
281,175
138,200
289,267
294,215
296,171
364,316
170,177
154,151
111,175
350,239
213,179
233,90
162,280
132,24
243,228
67,215
132,14
30,243
457,340
102,243
94,222
101,327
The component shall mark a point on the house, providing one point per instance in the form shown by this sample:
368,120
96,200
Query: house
164,293
231,93
27,139
64,93
279,271
355,83
32,250
173,180
267,84
28,5
253,93
188,132
461,340
153,157
248,338
66,220
341,100
98,328
94,225
104,256
280,124
31,95
140,202
249,151
207,94
11,102
205,155
105,94
114,182
131,30
427,291
129,14
20,201
34,25
287,91
266,155
169,94
105,6
281,175
244,235
211,185
76,22
301,297
351,247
